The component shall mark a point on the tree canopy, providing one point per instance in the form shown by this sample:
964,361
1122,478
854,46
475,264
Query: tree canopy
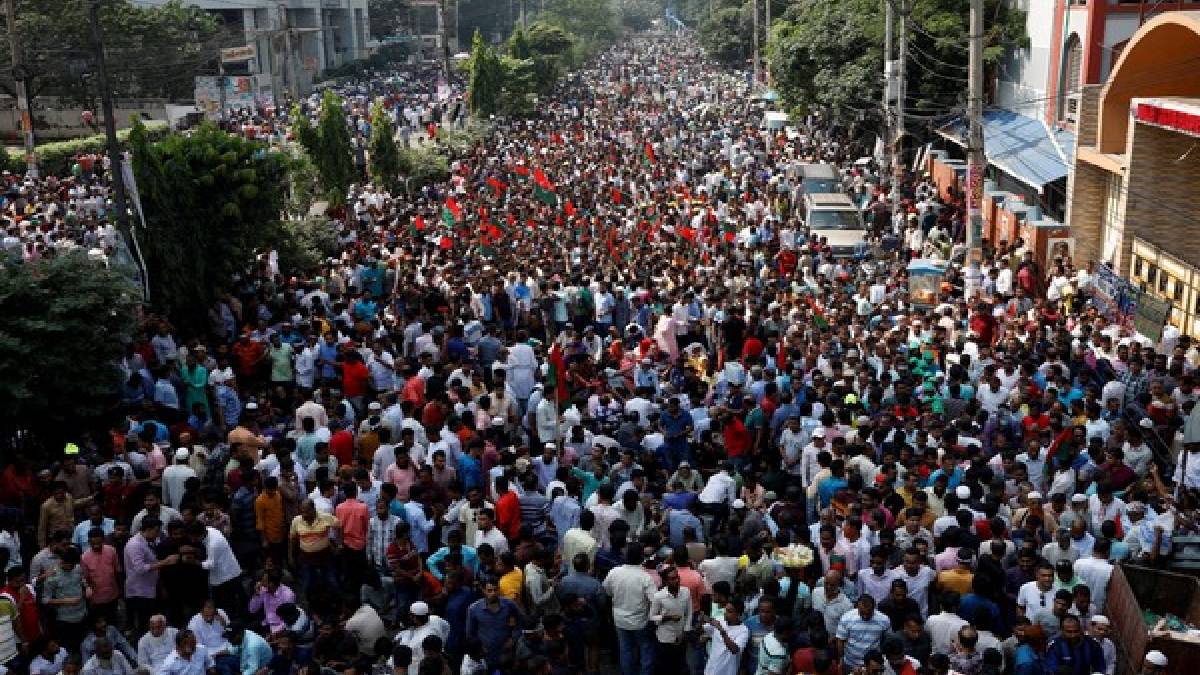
830,53
151,51
67,322
328,145
385,156
212,200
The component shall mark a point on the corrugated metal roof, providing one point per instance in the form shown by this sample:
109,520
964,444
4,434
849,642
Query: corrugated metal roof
1019,145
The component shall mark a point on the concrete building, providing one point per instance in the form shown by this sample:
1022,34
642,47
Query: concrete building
295,40
1137,165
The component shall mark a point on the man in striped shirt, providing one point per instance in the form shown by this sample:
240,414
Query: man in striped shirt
859,630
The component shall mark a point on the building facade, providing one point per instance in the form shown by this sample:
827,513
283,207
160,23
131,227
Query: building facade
294,40
1137,163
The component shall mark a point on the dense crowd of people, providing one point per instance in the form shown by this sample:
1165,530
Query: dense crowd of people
600,397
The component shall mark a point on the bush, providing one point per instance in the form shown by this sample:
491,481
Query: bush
305,243
56,158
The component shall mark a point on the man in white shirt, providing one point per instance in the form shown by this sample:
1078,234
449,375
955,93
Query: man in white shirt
1096,572
632,592
718,495
488,533
224,572
423,625
943,627
728,638
175,476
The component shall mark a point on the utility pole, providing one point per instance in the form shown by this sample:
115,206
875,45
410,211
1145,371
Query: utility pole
110,123
289,65
901,93
889,82
755,41
444,37
21,76
976,160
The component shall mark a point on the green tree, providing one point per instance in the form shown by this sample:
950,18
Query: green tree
328,145
385,156
67,322
727,35
212,200
636,15
594,25
486,77
518,45
830,54
150,51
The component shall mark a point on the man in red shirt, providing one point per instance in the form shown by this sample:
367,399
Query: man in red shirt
341,443
508,509
353,517
737,438
248,355
355,380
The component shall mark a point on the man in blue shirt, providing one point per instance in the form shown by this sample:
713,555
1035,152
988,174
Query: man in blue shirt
250,649
677,426
1080,653
494,620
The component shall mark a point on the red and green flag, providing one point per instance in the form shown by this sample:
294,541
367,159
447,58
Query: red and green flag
522,171
496,184
418,224
539,178
650,158
818,314
451,212
545,195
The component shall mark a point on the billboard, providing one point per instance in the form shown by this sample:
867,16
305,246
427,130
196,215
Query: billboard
240,91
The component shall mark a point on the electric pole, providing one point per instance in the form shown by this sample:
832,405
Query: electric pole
20,77
889,84
444,36
289,65
755,42
901,93
110,123
976,160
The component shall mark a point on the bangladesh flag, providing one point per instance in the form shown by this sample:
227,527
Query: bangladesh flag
539,177
650,158
545,196
448,217
522,171
499,186
818,314
418,224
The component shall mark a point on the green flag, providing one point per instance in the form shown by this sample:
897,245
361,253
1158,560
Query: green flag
545,196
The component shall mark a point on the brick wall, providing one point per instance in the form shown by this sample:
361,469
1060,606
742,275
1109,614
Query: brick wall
1089,114
1161,186
1088,191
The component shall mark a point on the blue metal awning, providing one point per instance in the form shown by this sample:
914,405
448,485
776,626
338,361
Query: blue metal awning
1021,146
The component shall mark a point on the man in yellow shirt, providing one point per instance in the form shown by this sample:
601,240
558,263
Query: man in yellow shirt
959,578
512,580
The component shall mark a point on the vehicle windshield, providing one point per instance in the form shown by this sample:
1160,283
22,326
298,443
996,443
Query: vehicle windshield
834,220
821,185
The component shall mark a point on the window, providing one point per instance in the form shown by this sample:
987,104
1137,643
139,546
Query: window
1070,81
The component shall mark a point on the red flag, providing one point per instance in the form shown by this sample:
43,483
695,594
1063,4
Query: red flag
493,232
543,182
558,374
522,170
688,233
616,195
569,209
650,154
419,223
455,209
445,243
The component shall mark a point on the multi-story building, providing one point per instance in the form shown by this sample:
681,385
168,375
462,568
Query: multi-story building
293,40
1137,164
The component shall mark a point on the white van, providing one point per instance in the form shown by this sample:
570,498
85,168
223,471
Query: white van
834,216
774,120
